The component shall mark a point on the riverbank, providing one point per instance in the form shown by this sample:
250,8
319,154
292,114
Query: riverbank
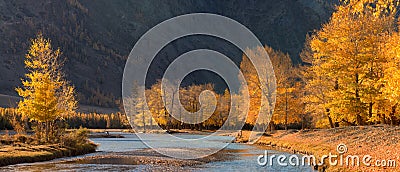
25,153
23,148
380,142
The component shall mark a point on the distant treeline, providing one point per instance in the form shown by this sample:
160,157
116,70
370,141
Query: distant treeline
98,121
6,117
10,119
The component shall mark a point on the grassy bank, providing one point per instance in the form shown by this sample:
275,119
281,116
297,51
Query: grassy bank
21,148
380,142
24,153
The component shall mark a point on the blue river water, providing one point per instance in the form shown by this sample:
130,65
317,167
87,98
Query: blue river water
243,157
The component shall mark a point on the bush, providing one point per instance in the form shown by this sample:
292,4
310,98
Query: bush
76,138
20,138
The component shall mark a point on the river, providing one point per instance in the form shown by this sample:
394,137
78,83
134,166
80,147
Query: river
118,154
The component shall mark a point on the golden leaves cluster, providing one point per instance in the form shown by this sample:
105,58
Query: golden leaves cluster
46,94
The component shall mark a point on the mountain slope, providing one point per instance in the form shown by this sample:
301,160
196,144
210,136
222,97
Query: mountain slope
97,36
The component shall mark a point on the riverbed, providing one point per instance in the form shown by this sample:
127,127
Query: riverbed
131,154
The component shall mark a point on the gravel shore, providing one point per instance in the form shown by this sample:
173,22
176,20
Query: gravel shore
149,159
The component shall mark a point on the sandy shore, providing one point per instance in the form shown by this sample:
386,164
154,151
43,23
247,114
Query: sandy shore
380,142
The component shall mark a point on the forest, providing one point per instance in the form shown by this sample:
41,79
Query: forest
349,77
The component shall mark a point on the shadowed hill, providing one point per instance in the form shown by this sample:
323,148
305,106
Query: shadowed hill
97,36
7,101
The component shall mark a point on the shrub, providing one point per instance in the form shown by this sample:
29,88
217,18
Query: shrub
21,138
76,138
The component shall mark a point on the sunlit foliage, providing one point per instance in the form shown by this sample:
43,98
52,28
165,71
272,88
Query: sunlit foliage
46,94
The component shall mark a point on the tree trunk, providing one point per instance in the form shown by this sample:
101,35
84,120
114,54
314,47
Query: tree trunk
172,108
370,109
358,102
359,120
47,131
330,119
286,109
180,118
144,120
151,122
393,119
384,118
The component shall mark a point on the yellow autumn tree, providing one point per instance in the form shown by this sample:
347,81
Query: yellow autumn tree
256,89
347,59
47,96
135,107
157,105
317,88
389,113
285,111
286,107
253,84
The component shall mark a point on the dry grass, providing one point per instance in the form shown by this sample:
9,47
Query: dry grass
380,142
24,153
21,148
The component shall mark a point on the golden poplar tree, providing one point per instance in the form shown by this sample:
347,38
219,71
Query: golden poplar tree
138,114
257,90
285,109
46,94
317,88
389,113
284,113
252,81
347,58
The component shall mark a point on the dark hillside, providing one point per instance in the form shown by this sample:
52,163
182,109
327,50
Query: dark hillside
97,36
